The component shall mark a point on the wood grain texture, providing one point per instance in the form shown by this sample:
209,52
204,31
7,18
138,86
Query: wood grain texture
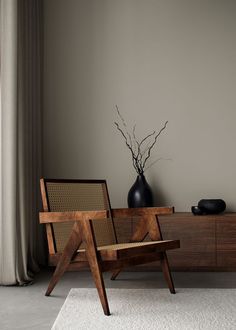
134,212
72,246
197,237
166,271
197,240
50,239
127,262
140,250
94,263
49,229
226,240
44,195
51,217
207,242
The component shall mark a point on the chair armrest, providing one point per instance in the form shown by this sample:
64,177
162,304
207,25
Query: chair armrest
49,217
141,211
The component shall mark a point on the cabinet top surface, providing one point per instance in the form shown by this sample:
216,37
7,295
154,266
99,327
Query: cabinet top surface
189,214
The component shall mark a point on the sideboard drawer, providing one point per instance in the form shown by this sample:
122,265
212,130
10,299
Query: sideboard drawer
226,241
197,240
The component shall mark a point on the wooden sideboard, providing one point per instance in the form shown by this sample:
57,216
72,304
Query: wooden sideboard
207,242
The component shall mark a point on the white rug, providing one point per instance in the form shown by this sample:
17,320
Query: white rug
147,309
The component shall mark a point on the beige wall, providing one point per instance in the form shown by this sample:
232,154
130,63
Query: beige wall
158,60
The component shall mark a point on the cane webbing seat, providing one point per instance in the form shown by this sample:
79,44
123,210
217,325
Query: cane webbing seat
124,250
81,233
82,195
122,246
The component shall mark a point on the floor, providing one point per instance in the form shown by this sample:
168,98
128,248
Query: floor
27,308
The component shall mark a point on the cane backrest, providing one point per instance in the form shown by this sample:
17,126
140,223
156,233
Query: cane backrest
78,195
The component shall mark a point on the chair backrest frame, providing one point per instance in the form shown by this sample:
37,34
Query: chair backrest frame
46,205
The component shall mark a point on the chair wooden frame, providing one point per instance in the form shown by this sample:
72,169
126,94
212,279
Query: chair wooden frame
104,259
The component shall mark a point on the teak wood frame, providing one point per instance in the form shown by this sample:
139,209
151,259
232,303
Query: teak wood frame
107,259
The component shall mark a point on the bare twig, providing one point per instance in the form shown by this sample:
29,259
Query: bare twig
135,139
125,126
128,145
137,149
152,145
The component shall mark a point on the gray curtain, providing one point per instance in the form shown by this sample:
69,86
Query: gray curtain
20,140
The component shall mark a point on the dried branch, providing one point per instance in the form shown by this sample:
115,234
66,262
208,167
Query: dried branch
128,145
152,145
135,139
137,149
125,126
148,136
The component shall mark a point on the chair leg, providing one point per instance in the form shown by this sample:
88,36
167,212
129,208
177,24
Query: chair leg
59,271
92,257
99,282
115,274
65,259
166,271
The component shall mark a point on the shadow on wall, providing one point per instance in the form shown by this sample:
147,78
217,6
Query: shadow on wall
159,198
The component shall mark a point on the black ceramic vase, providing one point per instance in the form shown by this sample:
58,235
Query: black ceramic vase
140,194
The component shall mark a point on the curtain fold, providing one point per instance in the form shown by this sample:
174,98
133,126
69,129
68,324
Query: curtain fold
20,145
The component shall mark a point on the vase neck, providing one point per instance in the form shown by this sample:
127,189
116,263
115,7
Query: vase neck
141,177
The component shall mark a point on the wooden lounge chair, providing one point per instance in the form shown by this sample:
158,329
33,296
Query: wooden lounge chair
81,233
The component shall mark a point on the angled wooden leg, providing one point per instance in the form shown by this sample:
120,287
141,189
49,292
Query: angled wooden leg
155,234
71,247
115,273
98,279
166,271
91,254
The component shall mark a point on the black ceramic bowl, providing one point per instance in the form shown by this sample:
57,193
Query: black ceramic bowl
212,206
196,210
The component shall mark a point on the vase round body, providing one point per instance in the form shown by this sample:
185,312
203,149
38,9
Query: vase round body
140,194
